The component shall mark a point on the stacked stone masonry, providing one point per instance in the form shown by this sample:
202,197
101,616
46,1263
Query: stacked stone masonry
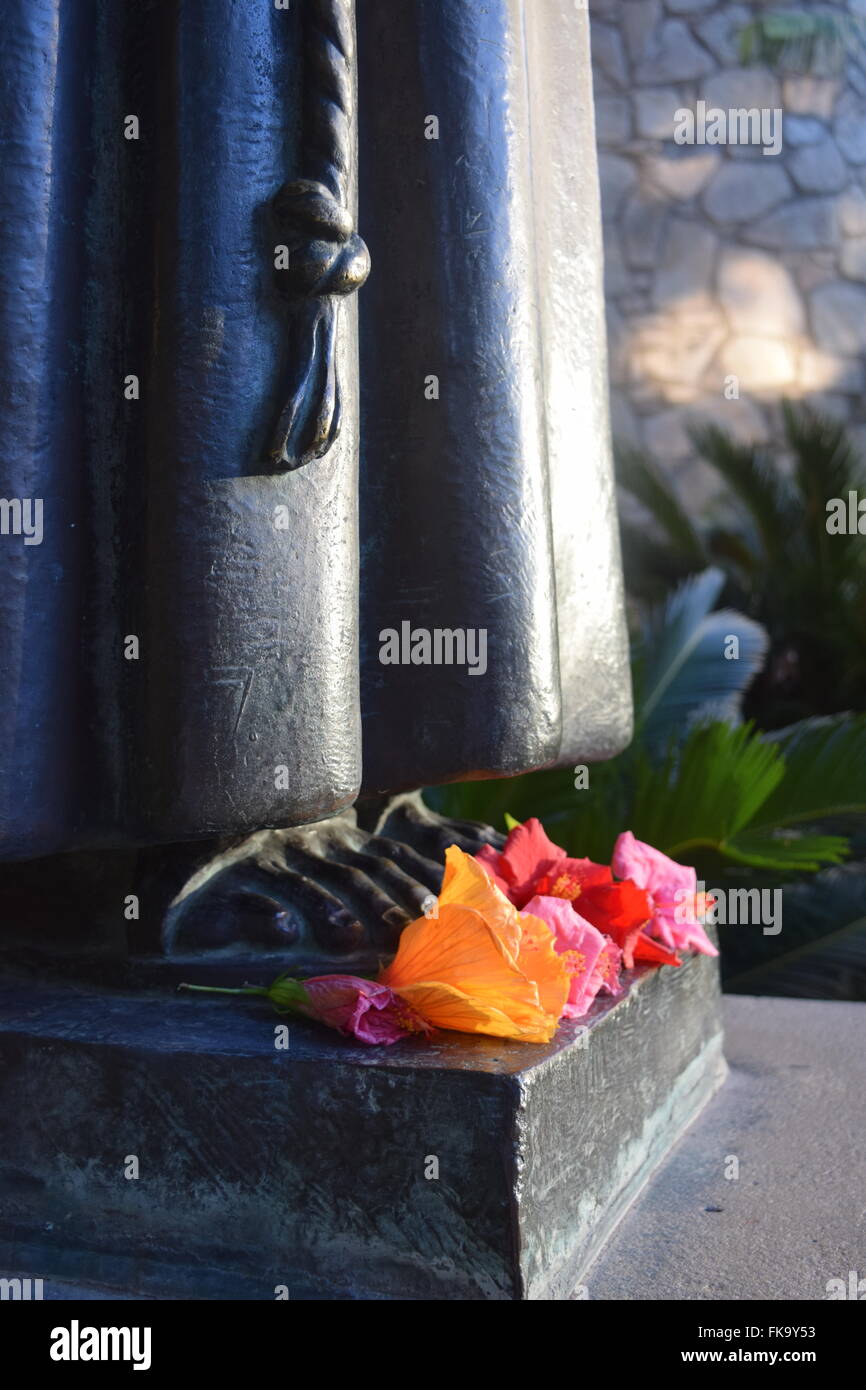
727,270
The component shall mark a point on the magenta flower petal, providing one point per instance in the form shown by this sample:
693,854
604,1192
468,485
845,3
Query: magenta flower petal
363,1009
490,859
527,854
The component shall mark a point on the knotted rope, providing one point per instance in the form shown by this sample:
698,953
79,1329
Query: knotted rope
327,259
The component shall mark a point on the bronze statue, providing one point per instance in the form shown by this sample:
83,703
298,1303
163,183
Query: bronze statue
238,502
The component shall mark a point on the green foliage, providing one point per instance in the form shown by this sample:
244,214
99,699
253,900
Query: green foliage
641,476
746,809
801,41
769,537
705,791
825,762
820,952
681,673
695,782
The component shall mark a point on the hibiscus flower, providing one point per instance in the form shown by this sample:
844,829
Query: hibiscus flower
479,966
605,976
356,1007
531,865
672,890
579,944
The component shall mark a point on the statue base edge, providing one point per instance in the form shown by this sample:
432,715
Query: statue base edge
466,1168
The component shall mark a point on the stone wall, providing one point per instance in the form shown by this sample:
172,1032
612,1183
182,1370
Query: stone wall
726,269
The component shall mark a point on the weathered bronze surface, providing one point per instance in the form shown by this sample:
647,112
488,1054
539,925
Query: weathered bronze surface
325,258
193,652
305,1167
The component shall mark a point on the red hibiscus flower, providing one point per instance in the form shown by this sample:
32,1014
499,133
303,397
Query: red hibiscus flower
531,865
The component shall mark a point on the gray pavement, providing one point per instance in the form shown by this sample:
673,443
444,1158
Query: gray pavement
793,1115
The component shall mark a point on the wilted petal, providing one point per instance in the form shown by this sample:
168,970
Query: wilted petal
607,967
361,1008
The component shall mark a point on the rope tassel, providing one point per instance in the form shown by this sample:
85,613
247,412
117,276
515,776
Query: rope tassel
327,259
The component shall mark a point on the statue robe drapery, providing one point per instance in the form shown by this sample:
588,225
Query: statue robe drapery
253,694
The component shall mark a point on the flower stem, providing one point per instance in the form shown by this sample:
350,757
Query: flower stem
219,989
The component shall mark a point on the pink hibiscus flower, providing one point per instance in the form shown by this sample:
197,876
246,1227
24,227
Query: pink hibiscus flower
605,976
672,890
363,1009
531,865
581,946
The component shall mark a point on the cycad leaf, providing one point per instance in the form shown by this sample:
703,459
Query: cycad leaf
652,566
640,476
825,771
669,634
490,800
752,476
832,967
709,685
682,674
785,851
827,464
820,952
589,825
706,791
736,550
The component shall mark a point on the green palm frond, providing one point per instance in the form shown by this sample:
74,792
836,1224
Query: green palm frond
821,950
825,771
641,476
492,799
826,466
651,564
736,551
784,850
705,791
752,477
768,533
682,672
695,784
832,967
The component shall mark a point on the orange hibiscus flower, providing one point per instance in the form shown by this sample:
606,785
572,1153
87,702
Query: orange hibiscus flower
480,966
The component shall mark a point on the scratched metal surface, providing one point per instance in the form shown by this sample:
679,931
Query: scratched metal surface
154,257
491,508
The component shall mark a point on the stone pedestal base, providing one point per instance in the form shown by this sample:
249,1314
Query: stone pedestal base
462,1169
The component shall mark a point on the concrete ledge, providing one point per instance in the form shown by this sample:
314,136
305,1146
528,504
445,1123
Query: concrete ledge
793,1115
306,1168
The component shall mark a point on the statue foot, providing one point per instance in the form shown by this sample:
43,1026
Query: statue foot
332,896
